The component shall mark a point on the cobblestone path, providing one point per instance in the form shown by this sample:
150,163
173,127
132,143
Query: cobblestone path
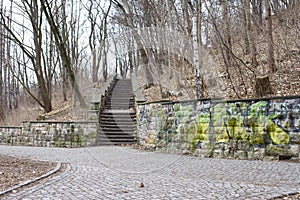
117,173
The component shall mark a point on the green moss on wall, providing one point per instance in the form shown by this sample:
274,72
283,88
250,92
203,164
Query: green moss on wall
191,134
202,128
176,107
221,135
256,139
219,111
258,109
236,129
277,135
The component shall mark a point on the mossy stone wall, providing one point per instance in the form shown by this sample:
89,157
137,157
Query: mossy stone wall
245,129
50,134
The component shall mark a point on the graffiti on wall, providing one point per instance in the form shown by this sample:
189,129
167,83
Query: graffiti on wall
190,125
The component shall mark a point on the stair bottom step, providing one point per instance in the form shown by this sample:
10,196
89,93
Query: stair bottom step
116,137
115,143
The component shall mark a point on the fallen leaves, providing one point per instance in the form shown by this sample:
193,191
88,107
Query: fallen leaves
142,185
14,171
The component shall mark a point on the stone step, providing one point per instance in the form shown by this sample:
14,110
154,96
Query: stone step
109,143
119,136
117,130
118,120
118,117
115,137
115,142
120,97
122,103
119,82
126,132
123,84
120,92
125,102
118,123
122,88
118,107
126,94
118,113
114,124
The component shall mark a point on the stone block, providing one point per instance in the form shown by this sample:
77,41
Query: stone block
270,158
218,153
257,154
295,150
241,154
295,138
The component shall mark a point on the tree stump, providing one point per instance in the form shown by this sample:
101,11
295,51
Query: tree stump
263,86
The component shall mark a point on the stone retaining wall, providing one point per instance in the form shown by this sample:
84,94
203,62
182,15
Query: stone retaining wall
245,129
50,134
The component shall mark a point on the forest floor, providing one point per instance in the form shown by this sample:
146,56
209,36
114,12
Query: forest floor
14,171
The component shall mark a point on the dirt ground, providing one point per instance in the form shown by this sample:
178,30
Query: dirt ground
14,171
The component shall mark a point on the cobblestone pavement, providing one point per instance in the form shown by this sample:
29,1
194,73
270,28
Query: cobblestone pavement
117,173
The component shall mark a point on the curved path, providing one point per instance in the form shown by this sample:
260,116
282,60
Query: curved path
117,173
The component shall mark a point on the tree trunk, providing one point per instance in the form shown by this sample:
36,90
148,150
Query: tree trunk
37,37
104,63
269,37
198,79
140,48
262,86
246,27
61,45
250,34
1,67
226,33
257,7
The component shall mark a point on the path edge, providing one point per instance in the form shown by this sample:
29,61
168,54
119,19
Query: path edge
26,183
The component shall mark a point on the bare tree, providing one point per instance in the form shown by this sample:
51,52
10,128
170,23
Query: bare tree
62,48
97,17
250,44
2,116
269,37
34,14
129,21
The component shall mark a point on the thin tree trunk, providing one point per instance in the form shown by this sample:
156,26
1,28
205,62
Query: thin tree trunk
2,97
198,79
226,33
257,7
269,37
250,34
66,62
36,24
142,52
246,27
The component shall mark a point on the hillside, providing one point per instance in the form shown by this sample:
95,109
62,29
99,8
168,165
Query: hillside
173,74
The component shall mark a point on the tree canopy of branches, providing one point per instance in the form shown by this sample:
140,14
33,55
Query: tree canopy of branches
45,44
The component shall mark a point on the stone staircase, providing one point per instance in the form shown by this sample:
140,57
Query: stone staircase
118,118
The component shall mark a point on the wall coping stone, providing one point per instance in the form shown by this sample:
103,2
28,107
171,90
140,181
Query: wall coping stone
219,100
66,122
17,127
